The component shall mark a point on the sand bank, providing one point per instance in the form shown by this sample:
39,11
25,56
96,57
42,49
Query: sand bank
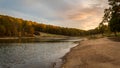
95,53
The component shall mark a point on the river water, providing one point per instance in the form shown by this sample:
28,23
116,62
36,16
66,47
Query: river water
33,55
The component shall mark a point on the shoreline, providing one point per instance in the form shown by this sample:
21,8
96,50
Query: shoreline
58,64
3,38
94,53
42,37
64,59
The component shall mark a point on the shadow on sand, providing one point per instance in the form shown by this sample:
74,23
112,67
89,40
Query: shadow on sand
116,39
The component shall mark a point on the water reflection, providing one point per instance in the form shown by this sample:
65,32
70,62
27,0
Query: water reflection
31,55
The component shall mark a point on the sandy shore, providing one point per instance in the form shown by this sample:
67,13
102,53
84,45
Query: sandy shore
97,53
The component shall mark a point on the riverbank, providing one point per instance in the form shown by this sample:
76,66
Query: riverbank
94,53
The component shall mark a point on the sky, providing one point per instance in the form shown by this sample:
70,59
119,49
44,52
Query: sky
81,14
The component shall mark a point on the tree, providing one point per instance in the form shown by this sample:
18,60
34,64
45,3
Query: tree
2,30
114,22
102,28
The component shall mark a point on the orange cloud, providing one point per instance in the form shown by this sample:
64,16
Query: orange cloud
81,14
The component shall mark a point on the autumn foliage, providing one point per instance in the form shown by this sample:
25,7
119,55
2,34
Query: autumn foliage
11,26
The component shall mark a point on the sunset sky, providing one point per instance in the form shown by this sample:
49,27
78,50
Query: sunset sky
81,14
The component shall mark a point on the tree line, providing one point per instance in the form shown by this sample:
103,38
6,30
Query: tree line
11,26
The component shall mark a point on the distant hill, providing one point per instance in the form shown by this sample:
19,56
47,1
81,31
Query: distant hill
11,26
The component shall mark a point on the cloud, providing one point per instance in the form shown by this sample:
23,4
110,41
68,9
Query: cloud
22,15
83,14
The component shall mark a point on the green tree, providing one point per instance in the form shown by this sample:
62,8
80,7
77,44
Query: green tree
2,30
102,28
114,22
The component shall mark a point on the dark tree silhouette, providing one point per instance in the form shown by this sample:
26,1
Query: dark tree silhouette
114,22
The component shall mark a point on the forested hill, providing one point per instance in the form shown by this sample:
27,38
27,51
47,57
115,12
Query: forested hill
10,26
